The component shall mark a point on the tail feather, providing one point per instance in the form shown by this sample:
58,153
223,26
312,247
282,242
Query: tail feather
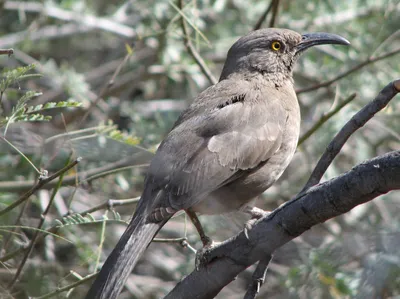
123,258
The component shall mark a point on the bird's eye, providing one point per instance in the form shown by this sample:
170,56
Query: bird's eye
276,46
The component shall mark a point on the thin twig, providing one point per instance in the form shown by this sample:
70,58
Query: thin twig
356,122
68,287
192,51
368,61
54,229
258,278
263,16
20,153
101,243
182,15
324,118
8,52
14,253
40,183
89,277
15,229
108,204
274,16
39,227
173,240
16,186
112,171
106,87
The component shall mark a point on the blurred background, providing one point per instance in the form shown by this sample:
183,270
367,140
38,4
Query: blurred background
105,81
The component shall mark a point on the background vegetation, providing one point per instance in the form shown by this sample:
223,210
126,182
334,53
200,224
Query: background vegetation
105,80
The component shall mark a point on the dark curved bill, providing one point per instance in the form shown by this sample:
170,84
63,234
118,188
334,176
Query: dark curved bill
320,38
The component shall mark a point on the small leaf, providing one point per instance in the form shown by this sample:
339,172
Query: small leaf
58,223
32,117
90,216
129,49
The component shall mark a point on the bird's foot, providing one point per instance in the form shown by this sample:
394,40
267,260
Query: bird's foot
256,214
202,254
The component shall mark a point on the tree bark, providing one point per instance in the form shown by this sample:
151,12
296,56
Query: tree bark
318,204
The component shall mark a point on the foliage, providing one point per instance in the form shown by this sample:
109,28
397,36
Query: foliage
105,80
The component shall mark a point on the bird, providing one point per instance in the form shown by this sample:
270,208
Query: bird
229,146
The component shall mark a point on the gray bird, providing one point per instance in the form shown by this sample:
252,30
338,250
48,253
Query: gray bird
232,143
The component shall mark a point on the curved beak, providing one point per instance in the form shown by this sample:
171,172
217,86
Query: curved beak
320,38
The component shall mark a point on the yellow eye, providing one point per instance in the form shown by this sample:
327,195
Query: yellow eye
276,46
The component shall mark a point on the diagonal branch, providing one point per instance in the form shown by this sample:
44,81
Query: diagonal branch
258,278
40,183
313,205
89,175
192,51
274,16
318,204
263,16
368,61
356,122
324,118
37,231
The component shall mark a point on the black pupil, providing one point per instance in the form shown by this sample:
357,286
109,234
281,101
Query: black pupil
276,45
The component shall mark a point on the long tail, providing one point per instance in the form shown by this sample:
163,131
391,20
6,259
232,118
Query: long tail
123,258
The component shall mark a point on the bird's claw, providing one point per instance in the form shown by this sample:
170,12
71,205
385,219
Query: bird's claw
203,255
256,214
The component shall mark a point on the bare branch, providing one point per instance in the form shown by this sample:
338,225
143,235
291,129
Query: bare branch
68,287
263,16
274,16
40,183
324,118
192,51
318,204
106,87
14,186
368,61
258,278
108,204
40,225
356,122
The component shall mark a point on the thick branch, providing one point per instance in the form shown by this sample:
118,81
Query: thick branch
318,204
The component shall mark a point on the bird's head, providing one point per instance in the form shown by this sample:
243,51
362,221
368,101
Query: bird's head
272,52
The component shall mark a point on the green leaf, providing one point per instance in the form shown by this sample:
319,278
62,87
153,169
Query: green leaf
52,105
32,117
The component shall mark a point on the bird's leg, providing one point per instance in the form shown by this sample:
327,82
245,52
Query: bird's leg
207,242
196,222
256,213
